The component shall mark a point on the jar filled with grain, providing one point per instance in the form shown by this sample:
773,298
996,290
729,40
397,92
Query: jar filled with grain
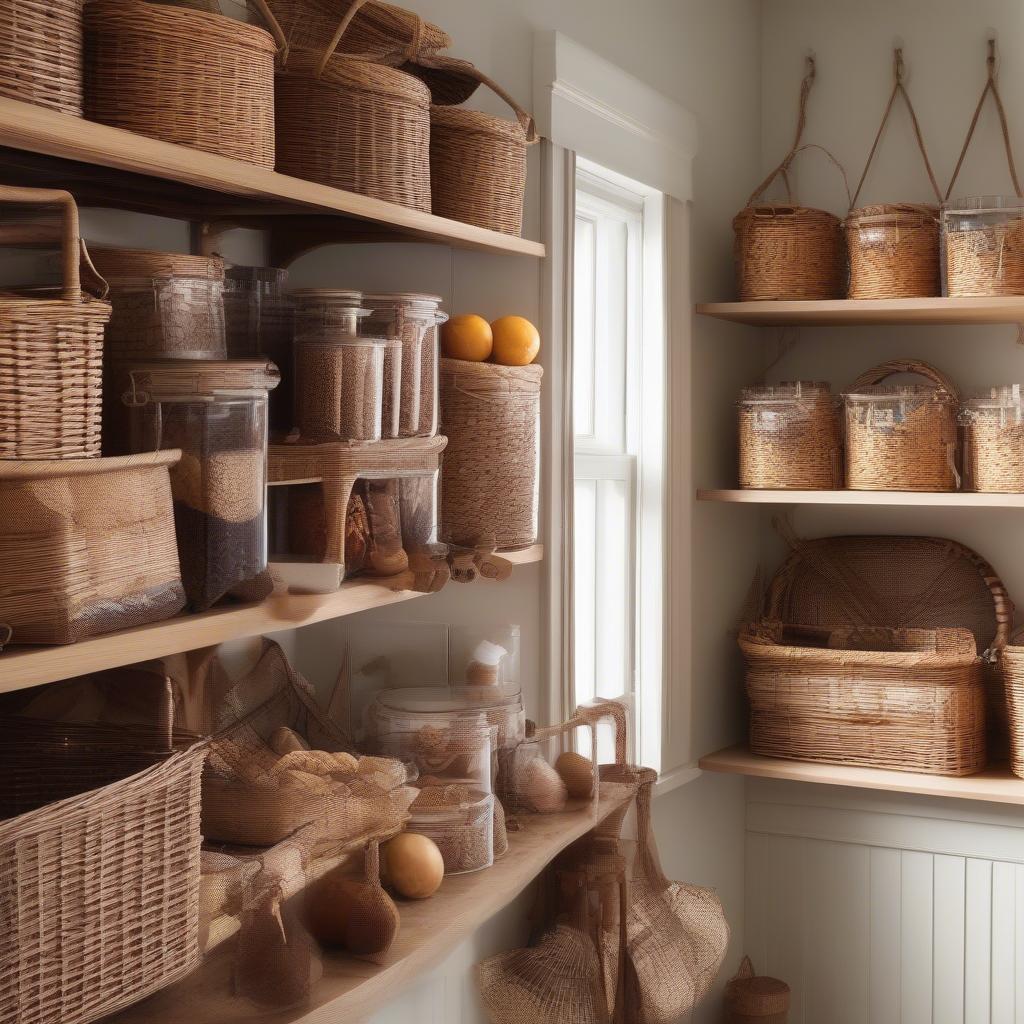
215,411
993,440
461,824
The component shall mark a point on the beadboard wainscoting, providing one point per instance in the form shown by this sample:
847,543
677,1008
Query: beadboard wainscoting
886,911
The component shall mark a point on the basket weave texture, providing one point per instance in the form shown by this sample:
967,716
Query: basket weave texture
1013,676
41,53
489,476
755,999
102,892
993,437
180,75
894,251
902,438
790,436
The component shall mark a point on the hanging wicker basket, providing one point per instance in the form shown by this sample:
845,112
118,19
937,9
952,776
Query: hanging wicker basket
184,76
478,163
41,53
51,355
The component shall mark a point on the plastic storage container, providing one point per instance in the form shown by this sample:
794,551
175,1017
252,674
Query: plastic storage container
993,437
983,246
462,828
483,661
216,413
790,436
413,319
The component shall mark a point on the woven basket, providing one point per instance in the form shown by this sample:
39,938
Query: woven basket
41,53
1013,677
87,547
489,477
993,440
904,437
354,125
790,436
754,999
894,251
184,76
51,356
478,164
984,246
102,896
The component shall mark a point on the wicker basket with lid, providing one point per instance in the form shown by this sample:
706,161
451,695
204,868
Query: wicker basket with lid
755,999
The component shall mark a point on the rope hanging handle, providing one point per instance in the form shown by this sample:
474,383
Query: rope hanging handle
898,89
883,371
275,28
990,87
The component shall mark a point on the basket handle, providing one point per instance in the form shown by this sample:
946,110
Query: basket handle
888,369
990,87
69,231
354,8
898,89
275,28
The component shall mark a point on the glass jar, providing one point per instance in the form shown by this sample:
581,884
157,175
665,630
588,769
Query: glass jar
483,661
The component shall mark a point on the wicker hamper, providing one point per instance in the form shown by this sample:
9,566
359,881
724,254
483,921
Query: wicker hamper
902,437
51,354
41,53
101,896
489,477
184,76
87,547
993,440
1013,678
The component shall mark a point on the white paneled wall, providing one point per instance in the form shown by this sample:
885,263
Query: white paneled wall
886,912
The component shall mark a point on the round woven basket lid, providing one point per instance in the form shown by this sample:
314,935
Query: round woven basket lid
787,391
113,263
477,121
782,212
170,379
353,75
892,215
757,997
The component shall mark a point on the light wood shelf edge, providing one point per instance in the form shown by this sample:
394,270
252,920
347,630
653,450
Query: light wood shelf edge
860,312
935,499
32,666
994,785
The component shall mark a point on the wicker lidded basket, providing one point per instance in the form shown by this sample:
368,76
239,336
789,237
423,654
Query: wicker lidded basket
51,355
784,250
790,437
993,441
184,76
490,474
755,999
354,125
902,437
41,53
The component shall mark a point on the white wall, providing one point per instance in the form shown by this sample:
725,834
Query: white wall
878,910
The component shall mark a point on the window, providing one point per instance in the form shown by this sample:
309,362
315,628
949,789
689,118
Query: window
618,425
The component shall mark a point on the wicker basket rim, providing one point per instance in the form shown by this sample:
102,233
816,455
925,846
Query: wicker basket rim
476,121
354,75
760,985
782,210
793,390
38,469
86,306
911,214
875,391
115,262
531,373
351,450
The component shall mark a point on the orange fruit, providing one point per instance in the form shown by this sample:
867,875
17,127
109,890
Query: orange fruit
467,336
516,341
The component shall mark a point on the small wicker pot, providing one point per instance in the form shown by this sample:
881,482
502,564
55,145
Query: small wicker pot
894,251
41,53
51,356
993,441
753,999
1012,663
904,437
983,239
184,76
790,437
489,477
478,164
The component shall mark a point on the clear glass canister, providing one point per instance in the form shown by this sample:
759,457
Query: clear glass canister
983,246
462,827
483,661
413,319
993,433
215,411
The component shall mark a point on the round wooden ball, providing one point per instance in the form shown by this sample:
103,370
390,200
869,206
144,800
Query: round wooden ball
412,865
577,772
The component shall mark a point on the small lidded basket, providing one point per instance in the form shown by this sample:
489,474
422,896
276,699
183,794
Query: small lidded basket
790,437
894,251
755,999
983,246
902,437
993,438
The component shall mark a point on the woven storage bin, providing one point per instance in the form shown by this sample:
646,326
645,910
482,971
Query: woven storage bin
184,76
491,417
790,436
463,831
902,437
984,246
41,53
993,438
910,700
102,896
478,164
87,547
354,125
51,355
755,999
894,251
1013,676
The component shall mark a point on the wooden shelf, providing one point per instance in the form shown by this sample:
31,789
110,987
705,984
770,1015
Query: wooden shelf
994,785
916,499
860,312
111,167
21,667
351,990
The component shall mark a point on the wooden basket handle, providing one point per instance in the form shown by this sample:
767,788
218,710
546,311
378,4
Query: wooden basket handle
275,28
353,10
69,232
879,373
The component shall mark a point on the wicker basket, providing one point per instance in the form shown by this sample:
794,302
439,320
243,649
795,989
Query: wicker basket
102,896
489,476
755,999
184,76
41,53
87,547
478,164
790,436
51,356
354,125
894,251
1013,677
984,246
903,437
993,440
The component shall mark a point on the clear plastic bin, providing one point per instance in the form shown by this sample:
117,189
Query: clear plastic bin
463,831
215,411
983,246
993,436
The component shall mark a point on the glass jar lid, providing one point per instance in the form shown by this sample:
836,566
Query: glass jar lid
165,380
